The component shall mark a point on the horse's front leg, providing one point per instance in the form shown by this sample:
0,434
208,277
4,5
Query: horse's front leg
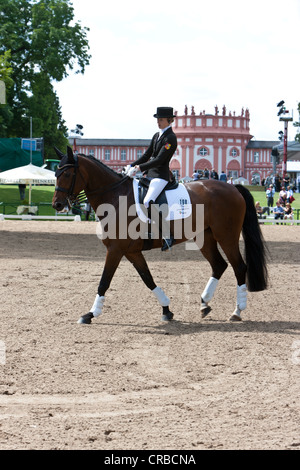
112,261
140,264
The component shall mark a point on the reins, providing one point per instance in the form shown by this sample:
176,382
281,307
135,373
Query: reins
70,192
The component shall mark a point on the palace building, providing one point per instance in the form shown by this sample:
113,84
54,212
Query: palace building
220,141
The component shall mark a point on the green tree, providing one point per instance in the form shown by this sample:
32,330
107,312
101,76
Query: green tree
45,45
5,77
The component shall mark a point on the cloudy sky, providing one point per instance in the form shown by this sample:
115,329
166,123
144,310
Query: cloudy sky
177,53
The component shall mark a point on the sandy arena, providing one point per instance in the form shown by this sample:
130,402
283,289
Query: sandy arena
130,381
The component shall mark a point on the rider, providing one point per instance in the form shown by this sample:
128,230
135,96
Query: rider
155,161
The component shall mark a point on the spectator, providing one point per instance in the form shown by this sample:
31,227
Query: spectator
268,181
214,175
206,173
22,188
289,195
278,212
260,211
223,176
283,196
286,181
196,175
288,212
270,195
230,181
277,183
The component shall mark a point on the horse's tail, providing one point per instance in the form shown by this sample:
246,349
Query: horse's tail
255,249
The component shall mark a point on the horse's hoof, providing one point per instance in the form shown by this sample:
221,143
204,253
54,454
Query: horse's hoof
86,319
167,315
235,317
205,311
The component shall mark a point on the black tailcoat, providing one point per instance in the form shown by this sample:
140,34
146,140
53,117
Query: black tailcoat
155,161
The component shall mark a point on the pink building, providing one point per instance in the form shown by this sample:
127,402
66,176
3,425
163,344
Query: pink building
220,141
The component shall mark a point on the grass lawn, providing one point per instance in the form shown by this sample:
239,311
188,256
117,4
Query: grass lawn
42,195
261,197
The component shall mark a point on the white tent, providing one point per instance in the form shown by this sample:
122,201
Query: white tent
241,180
28,174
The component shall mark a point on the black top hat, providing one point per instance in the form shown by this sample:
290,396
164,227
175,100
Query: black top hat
164,113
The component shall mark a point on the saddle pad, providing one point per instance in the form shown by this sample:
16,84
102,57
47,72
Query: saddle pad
178,200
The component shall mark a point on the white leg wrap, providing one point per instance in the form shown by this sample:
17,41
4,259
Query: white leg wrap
209,290
97,305
161,297
241,297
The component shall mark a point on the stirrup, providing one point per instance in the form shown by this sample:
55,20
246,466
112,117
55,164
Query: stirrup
168,243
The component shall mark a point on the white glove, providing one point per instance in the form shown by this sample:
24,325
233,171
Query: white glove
131,172
126,170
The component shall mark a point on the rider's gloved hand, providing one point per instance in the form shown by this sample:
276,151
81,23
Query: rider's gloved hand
130,171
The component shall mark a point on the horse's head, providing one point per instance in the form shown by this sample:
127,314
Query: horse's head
67,187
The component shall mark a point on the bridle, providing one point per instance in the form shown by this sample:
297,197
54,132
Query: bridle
71,197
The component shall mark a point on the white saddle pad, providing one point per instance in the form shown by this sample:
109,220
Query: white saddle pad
179,203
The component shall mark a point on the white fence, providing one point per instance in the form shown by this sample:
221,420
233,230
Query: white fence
75,218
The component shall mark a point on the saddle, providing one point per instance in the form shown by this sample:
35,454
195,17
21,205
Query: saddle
143,187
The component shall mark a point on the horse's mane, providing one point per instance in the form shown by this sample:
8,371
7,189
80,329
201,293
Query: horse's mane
102,165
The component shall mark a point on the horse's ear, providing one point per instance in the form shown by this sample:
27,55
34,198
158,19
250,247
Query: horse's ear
59,153
70,155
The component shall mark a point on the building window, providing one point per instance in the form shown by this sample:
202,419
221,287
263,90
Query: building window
107,155
234,152
123,155
256,157
203,152
91,153
139,153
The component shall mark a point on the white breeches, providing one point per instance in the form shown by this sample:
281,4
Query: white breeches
155,188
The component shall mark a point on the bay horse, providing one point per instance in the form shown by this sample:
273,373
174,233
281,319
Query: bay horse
228,211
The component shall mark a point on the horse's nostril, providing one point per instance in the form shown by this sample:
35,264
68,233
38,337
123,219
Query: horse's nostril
58,206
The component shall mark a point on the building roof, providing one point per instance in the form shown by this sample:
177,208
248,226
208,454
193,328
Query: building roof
293,150
111,142
261,144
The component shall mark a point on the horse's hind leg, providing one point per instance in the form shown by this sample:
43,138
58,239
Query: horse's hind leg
140,264
234,256
218,265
